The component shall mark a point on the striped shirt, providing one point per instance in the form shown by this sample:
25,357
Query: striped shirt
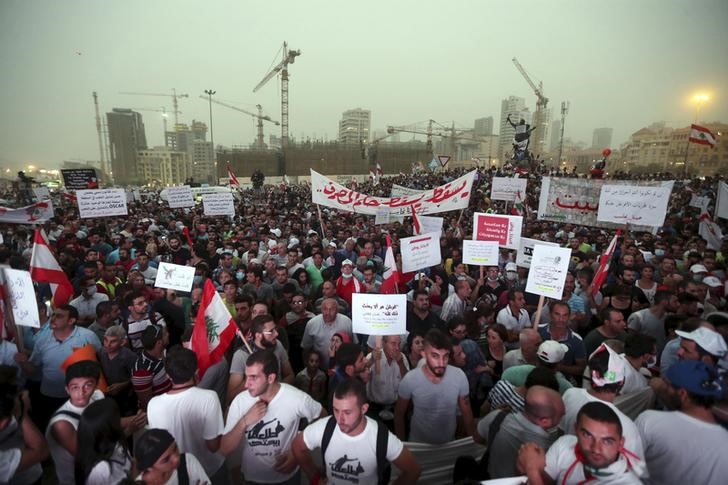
504,394
148,374
134,328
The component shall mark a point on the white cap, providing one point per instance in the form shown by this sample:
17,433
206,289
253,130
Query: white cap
551,351
698,268
293,242
347,261
276,232
511,267
709,340
712,281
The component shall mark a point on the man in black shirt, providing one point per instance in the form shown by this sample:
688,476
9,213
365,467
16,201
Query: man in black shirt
419,318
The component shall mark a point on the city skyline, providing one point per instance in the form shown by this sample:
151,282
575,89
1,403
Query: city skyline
614,61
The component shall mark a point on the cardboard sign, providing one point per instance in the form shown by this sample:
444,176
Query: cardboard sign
218,204
80,178
401,191
175,277
506,188
480,253
101,203
549,266
419,252
431,224
505,230
721,201
634,204
41,193
181,196
525,251
19,287
700,202
379,314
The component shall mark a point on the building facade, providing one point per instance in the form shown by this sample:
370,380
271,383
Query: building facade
355,126
126,138
483,126
602,138
192,140
163,167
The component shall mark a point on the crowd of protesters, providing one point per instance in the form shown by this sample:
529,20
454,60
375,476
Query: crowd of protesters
624,383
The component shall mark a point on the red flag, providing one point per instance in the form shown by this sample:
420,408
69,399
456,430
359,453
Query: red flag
604,263
391,274
44,268
701,135
186,232
231,176
214,329
416,221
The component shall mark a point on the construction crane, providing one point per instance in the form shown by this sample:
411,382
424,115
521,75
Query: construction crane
289,57
174,97
429,133
260,117
162,110
539,116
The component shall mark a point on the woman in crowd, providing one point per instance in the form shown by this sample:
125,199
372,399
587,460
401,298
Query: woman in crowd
159,461
101,456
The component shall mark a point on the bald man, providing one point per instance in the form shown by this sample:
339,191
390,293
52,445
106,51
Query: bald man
319,330
529,340
543,411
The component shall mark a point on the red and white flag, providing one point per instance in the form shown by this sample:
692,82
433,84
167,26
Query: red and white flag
44,268
604,262
380,172
231,176
391,274
416,222
373,177
701,135
214,329
710,231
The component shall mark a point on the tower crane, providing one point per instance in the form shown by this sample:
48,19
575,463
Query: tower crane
174,97
539,116
162,110
260,117
289,57
450,137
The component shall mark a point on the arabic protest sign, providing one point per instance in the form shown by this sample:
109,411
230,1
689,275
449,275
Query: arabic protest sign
451,196
506,188
700,202
419,252
634,204
79,178
181,196
431,224
400,191
219,204
175,277
480,253
101,203
505,230
549,266
721,201
525,251
41,193
30,214
19,287
576,201
379,314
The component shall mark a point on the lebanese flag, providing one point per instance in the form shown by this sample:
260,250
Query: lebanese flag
416,222
373,177
380,172
710,231
214,329
231,176
519,205
391,274
701,135
604,263
44,268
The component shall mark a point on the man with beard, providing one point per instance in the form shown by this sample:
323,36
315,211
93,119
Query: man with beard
595,455
266,419
295,324
420,319
176,252
265,335
437,390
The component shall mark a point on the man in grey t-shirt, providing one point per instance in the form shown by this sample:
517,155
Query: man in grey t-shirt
436,391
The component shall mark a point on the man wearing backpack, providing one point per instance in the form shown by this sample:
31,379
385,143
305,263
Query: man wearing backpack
355,448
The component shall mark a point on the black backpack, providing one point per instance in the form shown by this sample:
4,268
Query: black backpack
384,468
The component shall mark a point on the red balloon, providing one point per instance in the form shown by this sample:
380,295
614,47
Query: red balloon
606,152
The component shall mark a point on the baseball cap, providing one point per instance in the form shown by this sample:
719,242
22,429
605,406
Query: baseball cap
712,281
551,351
709,340
311,232
511,267
347,261
698,268
276,232
696,377
255,261
293,242
333,244
615,368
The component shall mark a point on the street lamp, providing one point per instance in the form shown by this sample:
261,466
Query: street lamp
209,93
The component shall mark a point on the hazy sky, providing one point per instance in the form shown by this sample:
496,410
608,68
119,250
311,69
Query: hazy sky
621,63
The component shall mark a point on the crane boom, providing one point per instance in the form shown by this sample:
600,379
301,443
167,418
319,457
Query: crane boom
289,57
539,121
260,117
174,97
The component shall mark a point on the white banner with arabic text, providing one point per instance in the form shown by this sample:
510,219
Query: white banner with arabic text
633,204
31,214
451,196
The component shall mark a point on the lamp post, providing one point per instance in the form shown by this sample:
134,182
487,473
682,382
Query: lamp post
699,99
209,93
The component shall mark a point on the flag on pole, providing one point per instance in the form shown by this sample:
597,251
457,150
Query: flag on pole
44,268
604,262
391,274
373,176
380,172
214,329
701,135
520,208
710,231
416,221
231,176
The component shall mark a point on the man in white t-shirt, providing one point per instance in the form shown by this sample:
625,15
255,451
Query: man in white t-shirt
190,414
354,444
595,455
514,315
686,445
266,418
